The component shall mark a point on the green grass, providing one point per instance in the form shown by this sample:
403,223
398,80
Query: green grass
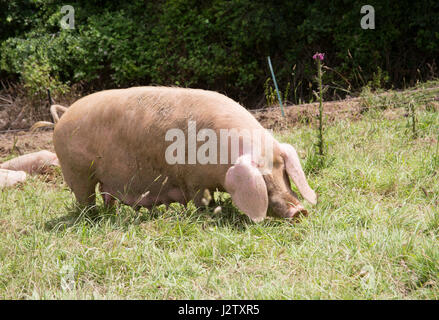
373,235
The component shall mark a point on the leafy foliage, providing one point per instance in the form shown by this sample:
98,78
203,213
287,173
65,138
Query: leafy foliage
222,45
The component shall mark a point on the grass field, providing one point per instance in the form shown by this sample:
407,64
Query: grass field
373,234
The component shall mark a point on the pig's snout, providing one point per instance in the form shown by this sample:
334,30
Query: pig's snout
296,211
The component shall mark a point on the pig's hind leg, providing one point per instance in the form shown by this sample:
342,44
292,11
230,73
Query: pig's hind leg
109,200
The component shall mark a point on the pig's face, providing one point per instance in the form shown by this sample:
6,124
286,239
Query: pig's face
282,201
257,193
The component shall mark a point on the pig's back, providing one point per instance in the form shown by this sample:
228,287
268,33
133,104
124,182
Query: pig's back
122,132
137,116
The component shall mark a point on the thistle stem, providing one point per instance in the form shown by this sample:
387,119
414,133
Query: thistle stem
319,70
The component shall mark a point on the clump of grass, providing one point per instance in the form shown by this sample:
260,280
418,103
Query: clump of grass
377,98
318,57
270,93
412,111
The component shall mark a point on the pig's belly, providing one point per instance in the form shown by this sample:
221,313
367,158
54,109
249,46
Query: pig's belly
139,184
148,199
135,184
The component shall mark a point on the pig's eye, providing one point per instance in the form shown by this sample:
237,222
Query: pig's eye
278,162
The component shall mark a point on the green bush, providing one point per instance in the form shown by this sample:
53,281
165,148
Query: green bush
36,76
222,45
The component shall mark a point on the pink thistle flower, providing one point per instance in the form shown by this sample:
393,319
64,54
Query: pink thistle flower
319,56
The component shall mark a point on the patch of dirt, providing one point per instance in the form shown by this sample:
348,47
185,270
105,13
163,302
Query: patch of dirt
353,108
25,142
51,176
19,110
271,118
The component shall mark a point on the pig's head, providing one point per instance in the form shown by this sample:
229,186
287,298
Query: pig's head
258,192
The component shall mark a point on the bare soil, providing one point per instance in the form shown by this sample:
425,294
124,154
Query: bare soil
271,118
23,142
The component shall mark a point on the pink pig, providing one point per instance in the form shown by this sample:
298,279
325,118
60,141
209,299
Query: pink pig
119,139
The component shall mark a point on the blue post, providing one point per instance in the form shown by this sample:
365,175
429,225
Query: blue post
275,85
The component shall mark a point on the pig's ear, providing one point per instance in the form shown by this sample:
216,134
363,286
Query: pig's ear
294,170
247,187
